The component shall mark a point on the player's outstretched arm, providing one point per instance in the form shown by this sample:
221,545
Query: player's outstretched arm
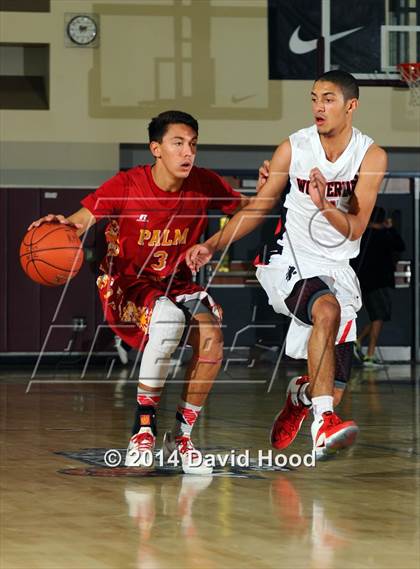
81,220
250,216
353,224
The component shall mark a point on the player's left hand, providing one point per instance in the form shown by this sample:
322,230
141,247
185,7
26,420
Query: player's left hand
198,256
317,186
263,173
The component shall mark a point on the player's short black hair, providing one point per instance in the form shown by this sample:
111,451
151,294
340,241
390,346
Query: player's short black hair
159,125
344,80
378,215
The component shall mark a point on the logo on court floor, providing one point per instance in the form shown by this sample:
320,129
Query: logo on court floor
233,463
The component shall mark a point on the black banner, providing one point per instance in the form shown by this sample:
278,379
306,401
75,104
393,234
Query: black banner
354,39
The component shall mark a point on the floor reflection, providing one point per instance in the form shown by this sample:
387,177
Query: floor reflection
310,520
165,514
174,502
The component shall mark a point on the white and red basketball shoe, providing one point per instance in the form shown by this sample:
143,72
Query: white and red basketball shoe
288,422
330,434
192,460
140,449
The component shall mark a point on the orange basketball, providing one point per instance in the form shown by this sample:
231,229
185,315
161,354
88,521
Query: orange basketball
51,254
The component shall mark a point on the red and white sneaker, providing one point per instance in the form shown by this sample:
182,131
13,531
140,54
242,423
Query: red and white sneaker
331,434
289,421
192,461
140,449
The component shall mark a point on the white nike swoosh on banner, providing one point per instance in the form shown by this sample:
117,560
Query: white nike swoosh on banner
299,46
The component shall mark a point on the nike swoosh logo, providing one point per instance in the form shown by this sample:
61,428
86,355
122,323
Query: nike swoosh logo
240,99
299,46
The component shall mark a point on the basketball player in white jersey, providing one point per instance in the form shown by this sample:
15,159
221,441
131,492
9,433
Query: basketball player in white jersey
335,173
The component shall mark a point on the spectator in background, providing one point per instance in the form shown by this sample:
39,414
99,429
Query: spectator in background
375,267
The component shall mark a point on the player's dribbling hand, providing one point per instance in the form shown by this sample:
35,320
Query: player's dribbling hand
317,185
53,217
263,173
198,256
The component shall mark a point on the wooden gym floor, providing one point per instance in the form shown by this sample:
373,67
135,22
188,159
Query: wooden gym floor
358,510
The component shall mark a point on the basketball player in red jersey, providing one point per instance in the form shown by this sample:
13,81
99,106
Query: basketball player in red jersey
335,173
149,299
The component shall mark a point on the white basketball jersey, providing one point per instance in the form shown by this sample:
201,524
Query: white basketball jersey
308,231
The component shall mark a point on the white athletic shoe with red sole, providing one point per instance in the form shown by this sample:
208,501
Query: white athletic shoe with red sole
330,434
140,449
191,459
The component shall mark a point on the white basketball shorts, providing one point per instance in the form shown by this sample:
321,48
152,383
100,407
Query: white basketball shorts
282,273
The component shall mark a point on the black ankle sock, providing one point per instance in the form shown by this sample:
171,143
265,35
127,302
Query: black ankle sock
145,417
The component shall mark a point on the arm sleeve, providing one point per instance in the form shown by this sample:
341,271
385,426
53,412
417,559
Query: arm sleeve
222,195
107,200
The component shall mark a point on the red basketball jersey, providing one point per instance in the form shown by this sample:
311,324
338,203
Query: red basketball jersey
151,229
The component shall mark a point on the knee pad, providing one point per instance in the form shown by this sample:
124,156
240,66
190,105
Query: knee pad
165,332
301,300
166,326
343,361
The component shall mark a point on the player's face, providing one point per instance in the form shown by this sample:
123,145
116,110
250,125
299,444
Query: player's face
177,150
331,112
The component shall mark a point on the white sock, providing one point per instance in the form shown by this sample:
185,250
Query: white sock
322,404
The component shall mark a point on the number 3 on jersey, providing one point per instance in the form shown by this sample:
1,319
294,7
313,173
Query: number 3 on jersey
162,257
